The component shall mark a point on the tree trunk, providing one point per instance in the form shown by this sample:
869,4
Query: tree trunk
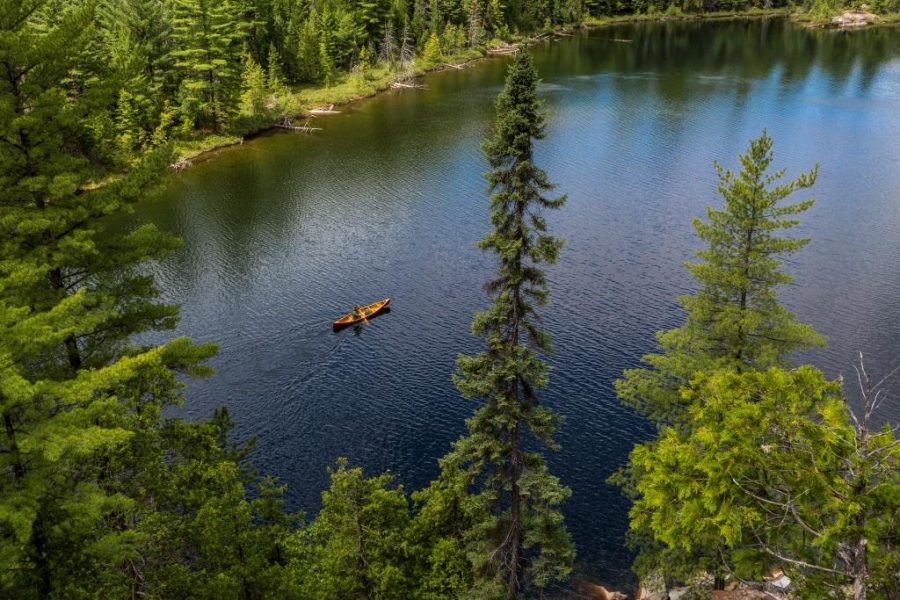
860,570
515,525
72,352
13,445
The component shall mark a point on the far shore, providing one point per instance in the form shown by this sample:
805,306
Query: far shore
350,89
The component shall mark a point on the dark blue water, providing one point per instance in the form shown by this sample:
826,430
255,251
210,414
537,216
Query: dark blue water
285,233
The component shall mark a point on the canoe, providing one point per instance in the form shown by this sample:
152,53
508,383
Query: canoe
366,312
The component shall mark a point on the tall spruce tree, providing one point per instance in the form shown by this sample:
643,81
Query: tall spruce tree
514,533
734,321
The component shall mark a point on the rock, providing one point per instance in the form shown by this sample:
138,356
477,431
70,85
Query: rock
676,593
653,587
782,583
856,18
598,592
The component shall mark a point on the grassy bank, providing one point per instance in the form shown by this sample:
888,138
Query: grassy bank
347,87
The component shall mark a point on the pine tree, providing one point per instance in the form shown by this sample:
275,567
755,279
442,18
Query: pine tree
431,55
326,65
476,23
204,537
309,60
419,23
514,534
777,471
370,16
358,541
208,37
255,91
71,296
735,320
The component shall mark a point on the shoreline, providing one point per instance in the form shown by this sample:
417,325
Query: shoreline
187,155
191,152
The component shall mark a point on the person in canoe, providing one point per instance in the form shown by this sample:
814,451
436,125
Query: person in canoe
357,312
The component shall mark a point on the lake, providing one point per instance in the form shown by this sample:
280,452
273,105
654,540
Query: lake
287,232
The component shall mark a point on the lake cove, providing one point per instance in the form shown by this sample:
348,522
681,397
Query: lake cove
287,232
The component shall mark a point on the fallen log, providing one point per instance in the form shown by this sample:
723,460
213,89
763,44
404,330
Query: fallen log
323,111
298,128
504,49
404,86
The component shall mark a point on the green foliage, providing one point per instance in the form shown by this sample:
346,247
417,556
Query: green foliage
255,92
326,65
511,529
208,37
735,320
357,547
103,497
773,471
431,55
823,10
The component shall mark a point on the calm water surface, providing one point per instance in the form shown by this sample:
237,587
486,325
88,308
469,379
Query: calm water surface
285,233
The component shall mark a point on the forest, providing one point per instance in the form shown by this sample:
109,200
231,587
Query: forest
150,72
757,464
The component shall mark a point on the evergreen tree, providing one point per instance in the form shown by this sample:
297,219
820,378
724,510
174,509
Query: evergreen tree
274,72
71,297
777,471
419,23
476,23
204,537
734,321
208,37
357,547
370,16
255,91
513,531
326,64
309,59
431,55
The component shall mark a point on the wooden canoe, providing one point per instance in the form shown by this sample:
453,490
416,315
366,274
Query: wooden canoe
365,312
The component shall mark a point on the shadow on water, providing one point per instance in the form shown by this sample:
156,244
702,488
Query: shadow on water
284,233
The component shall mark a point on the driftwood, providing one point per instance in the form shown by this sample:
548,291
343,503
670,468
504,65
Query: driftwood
452,66
510,49
404,86
328,110
288,124
622,40
180,165
299,128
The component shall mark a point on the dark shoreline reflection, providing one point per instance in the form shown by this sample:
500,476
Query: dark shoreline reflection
282,234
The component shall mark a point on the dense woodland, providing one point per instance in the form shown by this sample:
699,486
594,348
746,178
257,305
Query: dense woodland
144,72
757,464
